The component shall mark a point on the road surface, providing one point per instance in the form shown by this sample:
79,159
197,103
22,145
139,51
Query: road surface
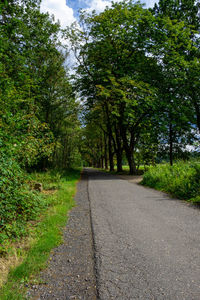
147,245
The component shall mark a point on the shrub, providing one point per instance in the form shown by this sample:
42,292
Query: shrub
49,179
17,203
181,180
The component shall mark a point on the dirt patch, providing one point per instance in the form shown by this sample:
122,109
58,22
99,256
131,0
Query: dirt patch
49,192
13,259
5,264
132,178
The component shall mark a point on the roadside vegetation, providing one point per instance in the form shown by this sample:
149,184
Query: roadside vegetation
133,98
181,180
39,134
39,237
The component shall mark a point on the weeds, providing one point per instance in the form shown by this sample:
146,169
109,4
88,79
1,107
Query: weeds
182,180
46,234
18,204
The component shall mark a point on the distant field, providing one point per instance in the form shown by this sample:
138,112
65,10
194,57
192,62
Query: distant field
126,168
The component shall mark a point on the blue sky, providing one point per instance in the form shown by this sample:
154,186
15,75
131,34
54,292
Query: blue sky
98,4
77,4
67,10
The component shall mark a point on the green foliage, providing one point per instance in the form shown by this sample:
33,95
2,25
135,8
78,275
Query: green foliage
49,179
181,180
37,104
47,234
17,203
139,69
38,112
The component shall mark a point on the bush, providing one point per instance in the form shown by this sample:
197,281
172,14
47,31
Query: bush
17,203
48,178
182,179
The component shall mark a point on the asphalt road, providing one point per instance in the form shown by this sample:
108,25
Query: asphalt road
147,245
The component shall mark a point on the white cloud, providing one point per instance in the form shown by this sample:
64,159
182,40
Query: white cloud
99,5
65,14
150,3
60,10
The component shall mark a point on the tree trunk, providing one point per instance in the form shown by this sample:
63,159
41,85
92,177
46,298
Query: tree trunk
171,144
129,150
119,161
99,163
118,148
109,130
102,162
111,154
197,110
131,163
105,151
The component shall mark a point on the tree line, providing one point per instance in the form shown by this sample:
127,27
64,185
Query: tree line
39,124
138,81
133,97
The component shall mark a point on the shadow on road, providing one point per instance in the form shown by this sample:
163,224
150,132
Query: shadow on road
93,174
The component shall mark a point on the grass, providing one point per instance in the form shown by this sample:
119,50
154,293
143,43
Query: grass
46,235
182,180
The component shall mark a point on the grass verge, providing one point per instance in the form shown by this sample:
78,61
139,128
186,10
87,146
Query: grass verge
181,180
46,235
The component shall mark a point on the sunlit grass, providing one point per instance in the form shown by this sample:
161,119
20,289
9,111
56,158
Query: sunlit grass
182,180
47,235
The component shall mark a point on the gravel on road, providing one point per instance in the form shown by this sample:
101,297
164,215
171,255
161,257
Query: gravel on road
70,274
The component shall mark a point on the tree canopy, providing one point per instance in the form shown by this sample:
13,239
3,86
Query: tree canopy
135,68
133,96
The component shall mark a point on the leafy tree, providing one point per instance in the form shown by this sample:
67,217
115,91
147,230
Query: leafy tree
181,10
21,128
177,44
189,13
39,124
36,96
110,64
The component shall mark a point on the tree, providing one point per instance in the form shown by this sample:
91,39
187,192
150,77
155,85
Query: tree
177,21
189,13
110,73
21,129
36,96
181,10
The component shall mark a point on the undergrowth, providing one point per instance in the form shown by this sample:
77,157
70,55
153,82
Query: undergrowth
18,203
182,180
46,234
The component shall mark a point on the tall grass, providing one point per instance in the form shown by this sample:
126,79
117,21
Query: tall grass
182,180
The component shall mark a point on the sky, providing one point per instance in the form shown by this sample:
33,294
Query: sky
66,11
